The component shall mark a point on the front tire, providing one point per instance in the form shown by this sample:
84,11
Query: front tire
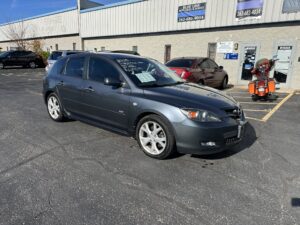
224,83
54,108
155,137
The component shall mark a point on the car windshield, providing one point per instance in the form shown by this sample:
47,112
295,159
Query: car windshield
55,55
180,63
148,72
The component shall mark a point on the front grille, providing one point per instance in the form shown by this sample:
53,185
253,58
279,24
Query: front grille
232,140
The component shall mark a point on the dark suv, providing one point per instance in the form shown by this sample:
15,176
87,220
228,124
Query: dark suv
143,98
20,58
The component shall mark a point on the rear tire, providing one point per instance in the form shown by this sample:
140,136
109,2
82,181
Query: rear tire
1,66
201,82
155,137
54,108
32,65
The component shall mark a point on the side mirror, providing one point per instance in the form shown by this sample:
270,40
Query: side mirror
221,67
112,82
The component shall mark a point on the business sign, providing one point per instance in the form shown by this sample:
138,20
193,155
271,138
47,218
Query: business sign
191,12
231,56
291,6
225,47
249,8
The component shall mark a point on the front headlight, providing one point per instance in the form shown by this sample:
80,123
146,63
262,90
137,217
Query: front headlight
200,115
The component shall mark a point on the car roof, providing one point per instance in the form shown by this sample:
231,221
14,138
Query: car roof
109,55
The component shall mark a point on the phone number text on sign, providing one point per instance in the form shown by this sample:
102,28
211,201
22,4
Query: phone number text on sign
249,13
191,12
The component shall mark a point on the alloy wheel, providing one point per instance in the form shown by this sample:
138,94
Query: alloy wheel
54,108
32,65
153,137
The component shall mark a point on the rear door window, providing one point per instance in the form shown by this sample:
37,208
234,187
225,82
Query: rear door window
181,63
75,67
58,67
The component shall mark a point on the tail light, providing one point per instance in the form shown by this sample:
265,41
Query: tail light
185,74
261,87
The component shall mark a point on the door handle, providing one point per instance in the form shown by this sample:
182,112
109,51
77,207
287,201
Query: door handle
61,83
89,89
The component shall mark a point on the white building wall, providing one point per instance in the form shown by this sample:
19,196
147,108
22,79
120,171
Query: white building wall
196,44
58,24
161,15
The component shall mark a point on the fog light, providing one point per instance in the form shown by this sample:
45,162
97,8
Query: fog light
208,144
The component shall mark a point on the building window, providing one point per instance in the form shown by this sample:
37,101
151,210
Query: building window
167,53
56,47
74,46
102,49
135,48
211,50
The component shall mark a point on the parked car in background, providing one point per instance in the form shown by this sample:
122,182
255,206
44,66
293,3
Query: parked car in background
21,58
57,54
126,52
141,97
200,70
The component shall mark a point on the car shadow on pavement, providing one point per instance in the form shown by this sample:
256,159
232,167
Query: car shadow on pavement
248,140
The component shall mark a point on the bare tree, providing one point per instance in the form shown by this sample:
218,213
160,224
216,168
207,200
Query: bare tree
17,33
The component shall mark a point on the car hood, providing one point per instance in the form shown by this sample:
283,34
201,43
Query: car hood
191,95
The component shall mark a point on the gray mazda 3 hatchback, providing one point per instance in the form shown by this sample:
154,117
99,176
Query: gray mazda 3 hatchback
141,97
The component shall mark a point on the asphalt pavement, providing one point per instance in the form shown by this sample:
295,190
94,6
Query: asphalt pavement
73,173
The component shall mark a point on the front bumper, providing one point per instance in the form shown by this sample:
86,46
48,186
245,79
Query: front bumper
191,135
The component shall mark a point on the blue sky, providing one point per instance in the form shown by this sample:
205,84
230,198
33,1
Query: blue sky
17,9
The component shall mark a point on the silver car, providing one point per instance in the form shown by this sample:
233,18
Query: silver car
57,54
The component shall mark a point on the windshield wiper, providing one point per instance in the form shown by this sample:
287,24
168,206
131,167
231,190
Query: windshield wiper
150,85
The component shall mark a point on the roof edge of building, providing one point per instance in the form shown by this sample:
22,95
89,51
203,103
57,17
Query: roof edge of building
111,5
41,15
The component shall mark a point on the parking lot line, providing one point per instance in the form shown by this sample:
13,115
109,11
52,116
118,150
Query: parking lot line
259,103
268,116
257,110
247,97
252,118
33,92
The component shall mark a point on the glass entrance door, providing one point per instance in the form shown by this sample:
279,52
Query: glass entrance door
283,65
249,54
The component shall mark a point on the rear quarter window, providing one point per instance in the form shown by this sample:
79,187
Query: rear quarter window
55,55
58,67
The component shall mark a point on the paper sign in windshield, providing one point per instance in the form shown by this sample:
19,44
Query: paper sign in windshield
145,77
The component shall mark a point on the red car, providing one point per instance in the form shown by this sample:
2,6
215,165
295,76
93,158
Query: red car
200,70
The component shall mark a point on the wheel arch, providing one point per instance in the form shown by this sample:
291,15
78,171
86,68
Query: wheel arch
147,113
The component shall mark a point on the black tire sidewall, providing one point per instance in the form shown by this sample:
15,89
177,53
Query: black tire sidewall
170,147
61,116
224,84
